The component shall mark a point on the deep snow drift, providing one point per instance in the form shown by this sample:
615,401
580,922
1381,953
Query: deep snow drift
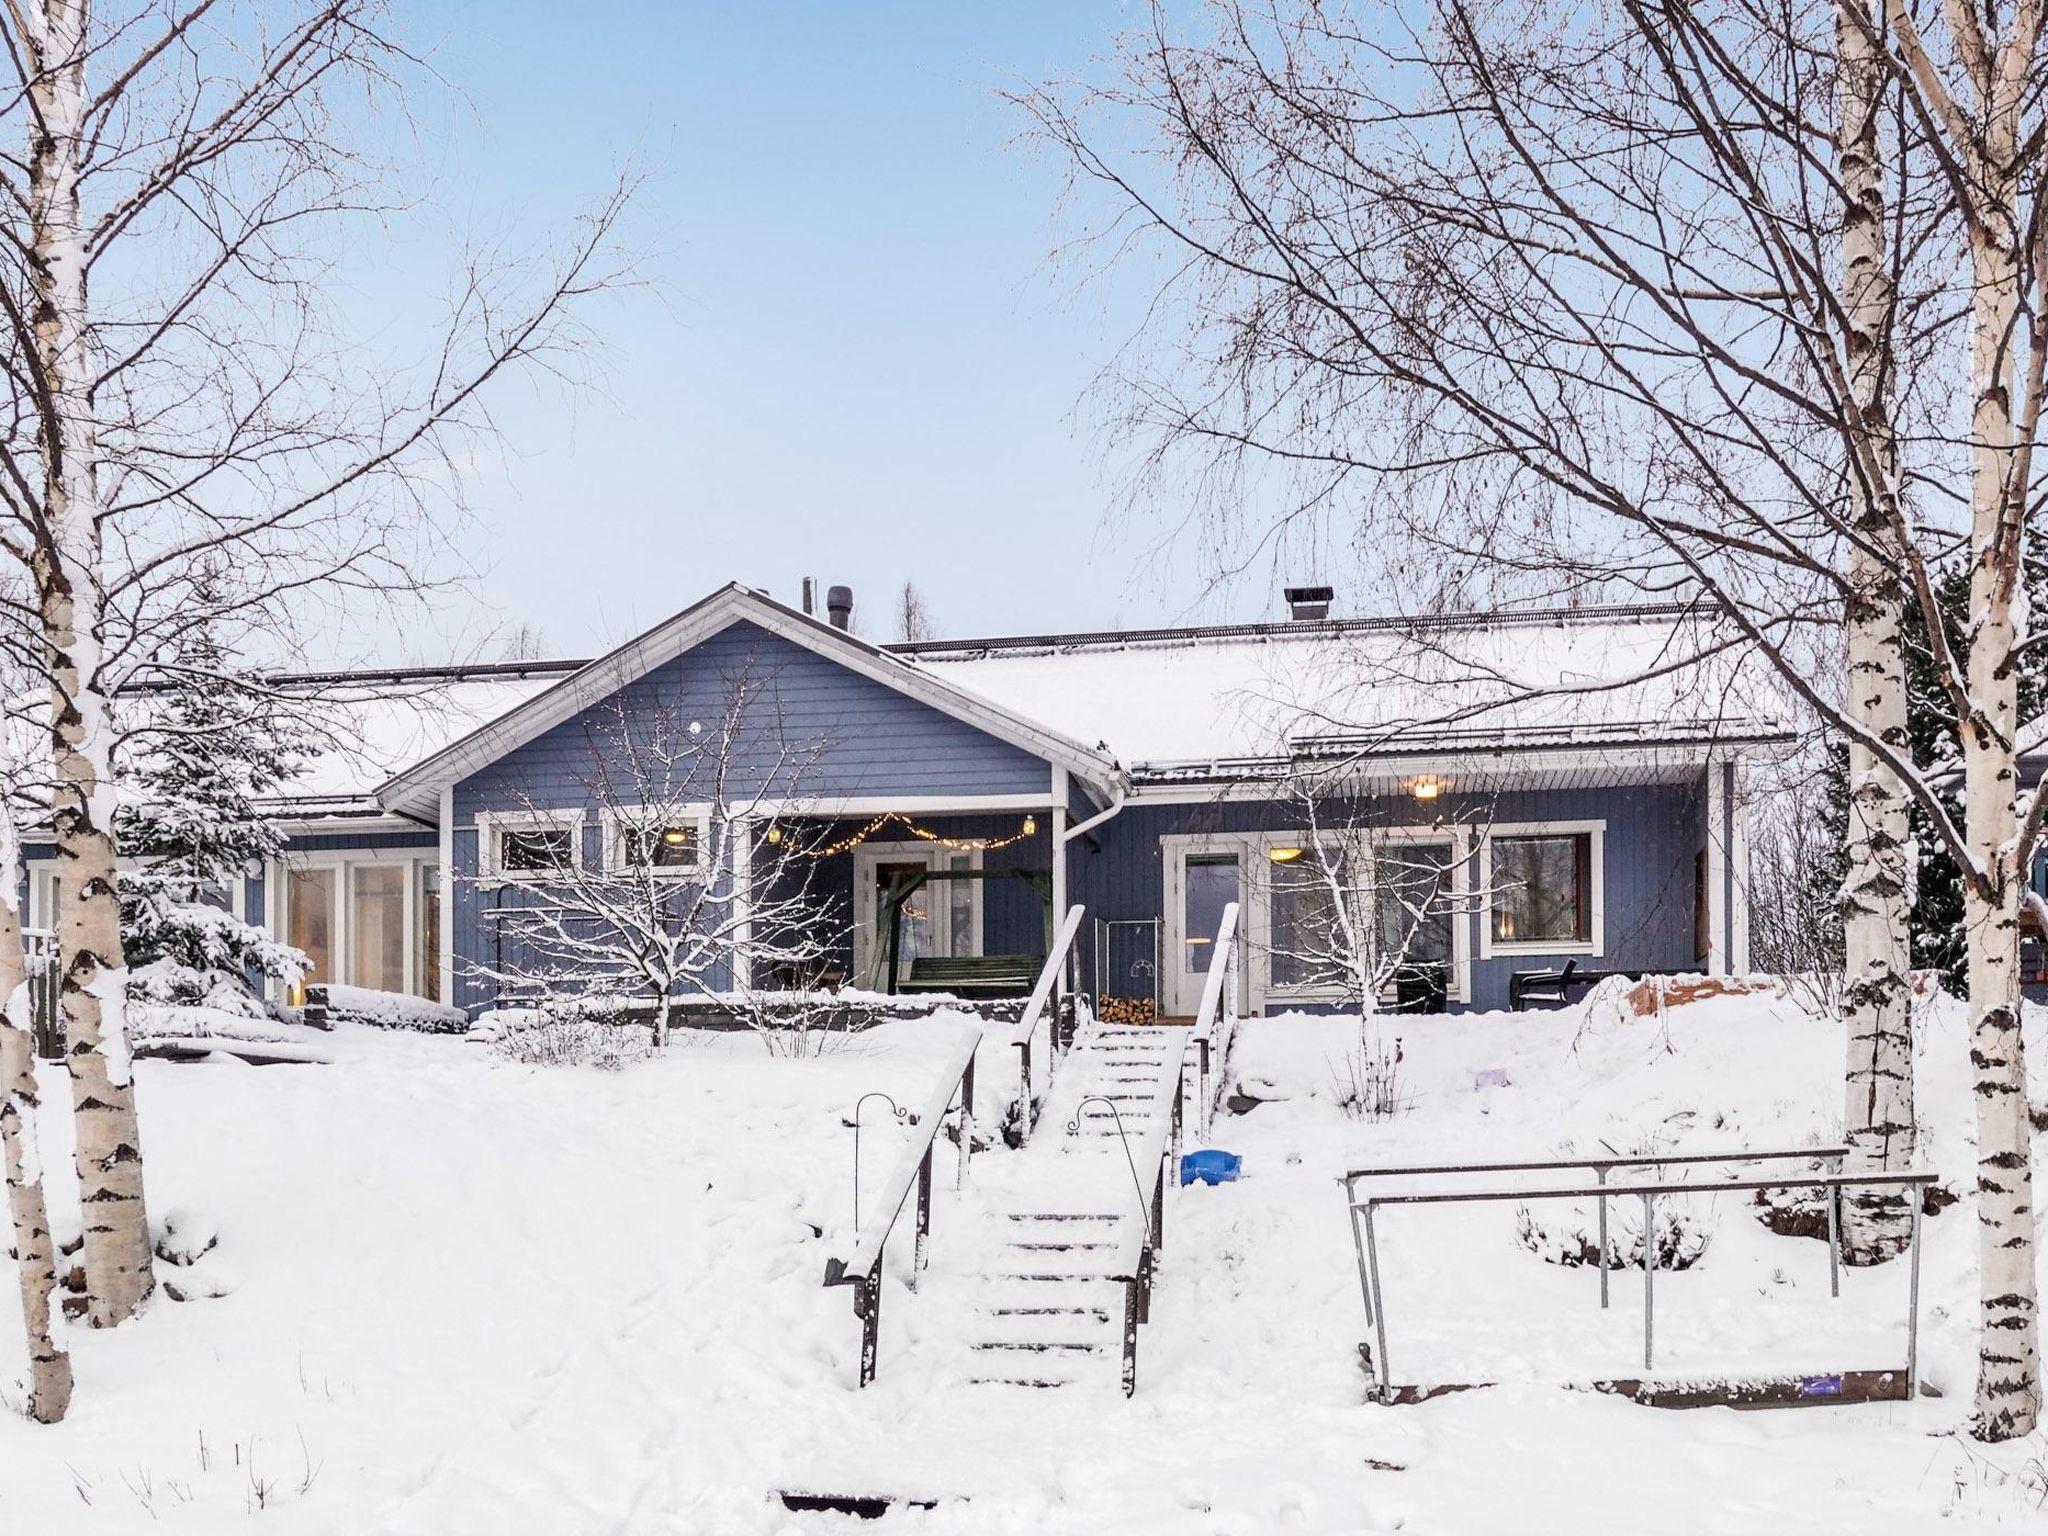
459,1295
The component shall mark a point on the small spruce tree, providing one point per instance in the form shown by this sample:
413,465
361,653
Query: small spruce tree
205,753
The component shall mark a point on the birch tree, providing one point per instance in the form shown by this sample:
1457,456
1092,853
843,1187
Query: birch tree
1981,100
1635,298
35,1251
194,436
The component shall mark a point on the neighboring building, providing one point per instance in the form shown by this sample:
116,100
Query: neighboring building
1584,770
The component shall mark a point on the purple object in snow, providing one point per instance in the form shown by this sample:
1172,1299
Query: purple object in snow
1492,1077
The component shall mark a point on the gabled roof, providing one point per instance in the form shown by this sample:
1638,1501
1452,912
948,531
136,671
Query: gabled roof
416,790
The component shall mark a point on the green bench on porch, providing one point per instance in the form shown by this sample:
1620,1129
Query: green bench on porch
973,975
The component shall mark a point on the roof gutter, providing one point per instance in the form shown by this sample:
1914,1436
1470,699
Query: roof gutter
1119,792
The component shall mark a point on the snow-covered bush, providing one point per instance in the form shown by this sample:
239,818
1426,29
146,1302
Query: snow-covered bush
1567,1232
538,1037
327,1004
166,983
1367,1082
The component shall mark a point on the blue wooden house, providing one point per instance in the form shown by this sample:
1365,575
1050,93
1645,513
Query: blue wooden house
1579,775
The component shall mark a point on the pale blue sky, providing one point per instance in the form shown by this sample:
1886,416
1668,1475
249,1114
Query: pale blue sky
856,365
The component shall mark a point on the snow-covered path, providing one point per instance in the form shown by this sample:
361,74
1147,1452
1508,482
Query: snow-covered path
469,1297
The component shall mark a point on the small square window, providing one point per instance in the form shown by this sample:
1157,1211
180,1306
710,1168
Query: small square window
664,845
531,850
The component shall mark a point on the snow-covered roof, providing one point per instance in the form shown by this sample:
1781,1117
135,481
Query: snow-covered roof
1166,700
1173,704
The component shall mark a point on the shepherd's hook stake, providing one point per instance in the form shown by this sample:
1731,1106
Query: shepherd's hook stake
859,1104
1123,1136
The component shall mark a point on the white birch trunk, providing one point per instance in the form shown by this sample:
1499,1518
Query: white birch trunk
1878,1118
49,1380
67,573
2008,1363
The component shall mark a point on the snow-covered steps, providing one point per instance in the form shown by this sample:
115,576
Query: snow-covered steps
1068,1213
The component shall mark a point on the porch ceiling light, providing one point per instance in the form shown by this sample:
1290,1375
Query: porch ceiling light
1428,787
1284,855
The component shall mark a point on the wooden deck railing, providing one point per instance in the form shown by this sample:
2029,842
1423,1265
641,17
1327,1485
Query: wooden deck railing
1216,1018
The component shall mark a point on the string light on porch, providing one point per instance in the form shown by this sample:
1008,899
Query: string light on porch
952,844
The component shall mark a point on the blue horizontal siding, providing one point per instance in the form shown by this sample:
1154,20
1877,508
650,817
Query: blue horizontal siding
857,736
1652,835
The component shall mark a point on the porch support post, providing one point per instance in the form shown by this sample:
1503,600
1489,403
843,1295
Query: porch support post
444,959
1717,867
1738,867
1058,821
742,836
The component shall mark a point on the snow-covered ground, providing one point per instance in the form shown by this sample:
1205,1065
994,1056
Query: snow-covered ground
467,1296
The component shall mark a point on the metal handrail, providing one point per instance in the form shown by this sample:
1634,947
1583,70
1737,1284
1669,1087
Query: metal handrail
1218,1008
1044,991
1832,1183
861,1267
1601,1167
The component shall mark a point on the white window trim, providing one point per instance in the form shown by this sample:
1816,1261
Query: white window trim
1596,872
609,820
490,823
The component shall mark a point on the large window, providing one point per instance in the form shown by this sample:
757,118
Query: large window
310,896
1542,886
1414,895
535,850
1309,942
377,926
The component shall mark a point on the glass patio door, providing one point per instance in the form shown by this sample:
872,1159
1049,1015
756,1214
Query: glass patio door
941,917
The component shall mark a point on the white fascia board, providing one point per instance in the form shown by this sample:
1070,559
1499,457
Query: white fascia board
417,787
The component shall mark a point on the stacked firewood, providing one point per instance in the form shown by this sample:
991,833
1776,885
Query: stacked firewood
1125,1010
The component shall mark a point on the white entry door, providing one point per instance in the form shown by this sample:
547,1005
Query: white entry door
1201,882
943,917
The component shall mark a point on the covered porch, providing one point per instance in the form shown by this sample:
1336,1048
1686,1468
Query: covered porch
959,898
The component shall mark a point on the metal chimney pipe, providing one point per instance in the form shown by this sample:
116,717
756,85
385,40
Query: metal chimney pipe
811,595
839,605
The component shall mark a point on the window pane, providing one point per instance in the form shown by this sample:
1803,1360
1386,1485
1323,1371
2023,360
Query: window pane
960,908
1539,896
916,933
427,965
669,845
309,894
377,926
533,848
1308,937
1412,894
1211,885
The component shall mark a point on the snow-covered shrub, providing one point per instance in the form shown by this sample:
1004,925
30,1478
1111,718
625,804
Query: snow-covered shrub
797,1025
537,1037
167,983
1567,1231
383,1010
1367,1082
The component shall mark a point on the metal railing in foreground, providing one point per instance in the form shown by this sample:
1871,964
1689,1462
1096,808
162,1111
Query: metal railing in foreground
1903,1383
1600,1167
1042,1015
1216,1017
861,1266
